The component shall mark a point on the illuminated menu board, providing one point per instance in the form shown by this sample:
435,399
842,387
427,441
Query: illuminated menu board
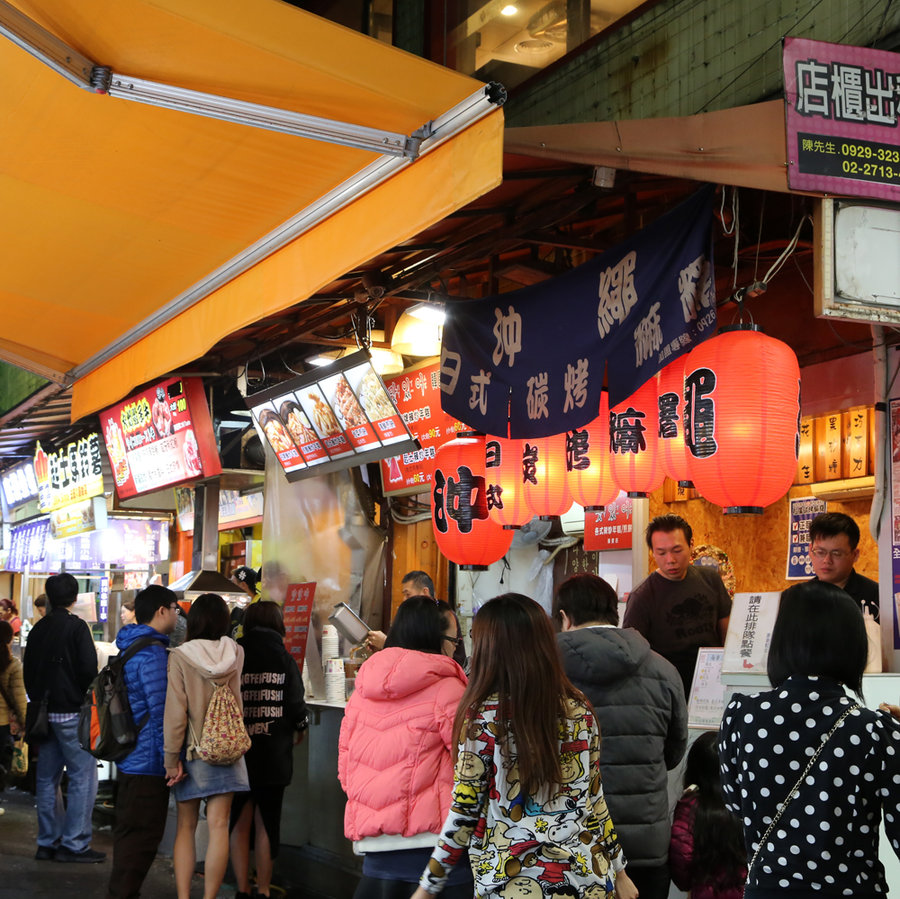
417,395
19,485
333,418
160,437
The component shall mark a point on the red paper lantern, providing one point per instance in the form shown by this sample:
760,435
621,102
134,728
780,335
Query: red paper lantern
544,476
588,465
463,529
634,442
672,451
503,466
742,411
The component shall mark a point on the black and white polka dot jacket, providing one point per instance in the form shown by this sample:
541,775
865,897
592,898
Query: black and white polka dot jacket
826,842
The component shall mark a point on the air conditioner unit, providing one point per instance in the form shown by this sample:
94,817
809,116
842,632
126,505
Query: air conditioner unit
844,490
573,521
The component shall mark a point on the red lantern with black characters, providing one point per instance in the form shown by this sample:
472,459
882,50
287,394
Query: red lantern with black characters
503,467
588,465
670,401
634,442
544,476
460,507
742,415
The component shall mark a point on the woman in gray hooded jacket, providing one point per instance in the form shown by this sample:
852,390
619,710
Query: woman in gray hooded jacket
208,657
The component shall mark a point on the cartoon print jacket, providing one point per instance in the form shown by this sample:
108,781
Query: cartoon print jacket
561,844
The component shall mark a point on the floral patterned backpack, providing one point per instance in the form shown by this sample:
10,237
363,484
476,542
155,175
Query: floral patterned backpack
224,738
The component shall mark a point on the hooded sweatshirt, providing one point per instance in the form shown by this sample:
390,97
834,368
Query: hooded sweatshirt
195,668
394,757
639,702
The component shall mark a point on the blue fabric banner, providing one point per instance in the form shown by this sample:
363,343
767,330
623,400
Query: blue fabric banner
537,355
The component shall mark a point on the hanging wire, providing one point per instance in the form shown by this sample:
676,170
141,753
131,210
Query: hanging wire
778,264
736,215
762,215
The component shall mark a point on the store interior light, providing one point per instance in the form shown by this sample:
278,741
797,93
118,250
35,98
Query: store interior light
428,312
509,10
415,337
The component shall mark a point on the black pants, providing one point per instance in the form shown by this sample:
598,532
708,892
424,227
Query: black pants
6,751
651,882
142,804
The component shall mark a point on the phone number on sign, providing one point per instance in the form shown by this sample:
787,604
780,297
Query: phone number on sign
850,159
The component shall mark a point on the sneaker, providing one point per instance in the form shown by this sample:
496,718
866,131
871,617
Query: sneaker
44,853
86,856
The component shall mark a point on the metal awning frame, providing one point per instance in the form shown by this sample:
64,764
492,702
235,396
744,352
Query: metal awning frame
395,151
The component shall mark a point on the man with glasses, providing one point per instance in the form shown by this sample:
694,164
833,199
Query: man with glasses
834,549
142,798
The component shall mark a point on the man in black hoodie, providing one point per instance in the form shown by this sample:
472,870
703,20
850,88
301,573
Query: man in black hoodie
639,702
60,662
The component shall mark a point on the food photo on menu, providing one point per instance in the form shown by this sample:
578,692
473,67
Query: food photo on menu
324,422
300,430
349,413
386,421
279,439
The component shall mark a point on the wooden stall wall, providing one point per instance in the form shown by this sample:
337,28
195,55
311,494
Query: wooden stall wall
757,545
414,548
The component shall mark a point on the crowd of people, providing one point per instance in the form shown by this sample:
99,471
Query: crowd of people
537,768
170,692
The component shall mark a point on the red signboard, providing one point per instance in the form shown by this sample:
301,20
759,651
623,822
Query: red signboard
416,394
160,437
298,604
842,119
611,528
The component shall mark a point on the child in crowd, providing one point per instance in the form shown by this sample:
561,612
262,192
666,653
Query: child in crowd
706,854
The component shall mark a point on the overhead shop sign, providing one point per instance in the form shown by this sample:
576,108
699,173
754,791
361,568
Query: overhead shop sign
416,394
160,437
334,418
68,475
19,485
841,112
541,352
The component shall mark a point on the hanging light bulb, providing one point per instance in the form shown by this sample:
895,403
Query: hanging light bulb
634,442
670,402
544,476
460,518
742,418
503,467
588,465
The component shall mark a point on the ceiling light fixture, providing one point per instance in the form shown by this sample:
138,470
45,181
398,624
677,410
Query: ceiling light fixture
415,337
509,10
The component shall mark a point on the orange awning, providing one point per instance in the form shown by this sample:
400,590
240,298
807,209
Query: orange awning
126,226
744,146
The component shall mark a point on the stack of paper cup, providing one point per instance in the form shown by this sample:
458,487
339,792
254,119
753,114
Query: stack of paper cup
334,680
330,643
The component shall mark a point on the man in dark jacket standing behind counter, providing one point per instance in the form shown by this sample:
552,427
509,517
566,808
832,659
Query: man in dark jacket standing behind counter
639,702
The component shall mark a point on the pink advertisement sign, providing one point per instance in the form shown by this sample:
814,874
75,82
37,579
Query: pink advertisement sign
841,108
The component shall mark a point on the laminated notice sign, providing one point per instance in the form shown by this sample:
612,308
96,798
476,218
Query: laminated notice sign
706,704
750,632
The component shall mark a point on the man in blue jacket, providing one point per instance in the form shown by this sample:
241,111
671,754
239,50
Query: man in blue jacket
142,800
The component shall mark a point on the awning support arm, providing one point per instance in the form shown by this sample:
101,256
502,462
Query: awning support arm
256,115
44,46
477,105
86,74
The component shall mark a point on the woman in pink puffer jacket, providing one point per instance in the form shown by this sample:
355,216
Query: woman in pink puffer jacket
395,752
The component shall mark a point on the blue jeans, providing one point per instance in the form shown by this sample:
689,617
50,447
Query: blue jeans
69,825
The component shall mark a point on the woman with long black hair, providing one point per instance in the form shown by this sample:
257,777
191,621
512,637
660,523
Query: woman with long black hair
706,854
527,797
